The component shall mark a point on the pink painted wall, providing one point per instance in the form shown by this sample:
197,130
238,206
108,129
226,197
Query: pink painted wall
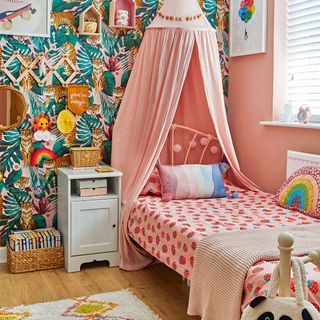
262,150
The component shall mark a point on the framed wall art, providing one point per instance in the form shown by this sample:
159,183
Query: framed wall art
25,17
248,27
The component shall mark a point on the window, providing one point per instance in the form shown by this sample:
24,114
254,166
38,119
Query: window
303,54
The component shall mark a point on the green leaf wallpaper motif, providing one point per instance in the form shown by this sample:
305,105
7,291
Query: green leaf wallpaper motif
29,194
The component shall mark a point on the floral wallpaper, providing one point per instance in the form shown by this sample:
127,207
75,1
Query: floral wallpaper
29,193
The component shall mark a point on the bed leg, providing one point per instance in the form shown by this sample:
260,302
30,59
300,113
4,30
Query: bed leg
285,246
188,282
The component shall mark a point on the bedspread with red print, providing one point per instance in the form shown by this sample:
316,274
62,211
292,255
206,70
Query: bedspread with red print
170,231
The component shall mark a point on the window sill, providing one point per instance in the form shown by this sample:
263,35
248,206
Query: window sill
310,125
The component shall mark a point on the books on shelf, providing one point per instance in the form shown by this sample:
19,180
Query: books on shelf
34,239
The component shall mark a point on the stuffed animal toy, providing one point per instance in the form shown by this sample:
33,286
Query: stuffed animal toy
283,308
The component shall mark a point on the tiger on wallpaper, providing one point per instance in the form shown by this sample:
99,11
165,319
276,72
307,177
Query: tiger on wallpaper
99,4
98,78
63,19
69,51
221,15
93,110
26,144
200,3
61,162
26,216
94,40
28,80
70,138
58,93
97,140
50,165
22,183
118,94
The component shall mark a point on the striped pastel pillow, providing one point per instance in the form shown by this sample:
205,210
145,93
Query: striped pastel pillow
191,181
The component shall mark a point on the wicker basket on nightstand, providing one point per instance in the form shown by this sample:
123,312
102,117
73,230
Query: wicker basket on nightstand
85,157
33,260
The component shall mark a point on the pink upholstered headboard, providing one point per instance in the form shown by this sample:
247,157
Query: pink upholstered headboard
205,143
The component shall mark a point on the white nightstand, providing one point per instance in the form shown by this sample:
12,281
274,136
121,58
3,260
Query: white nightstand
89,225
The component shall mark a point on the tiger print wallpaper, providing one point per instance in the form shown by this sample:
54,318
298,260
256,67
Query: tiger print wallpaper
28,194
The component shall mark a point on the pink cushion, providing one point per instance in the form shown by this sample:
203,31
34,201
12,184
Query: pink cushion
301,192
153,185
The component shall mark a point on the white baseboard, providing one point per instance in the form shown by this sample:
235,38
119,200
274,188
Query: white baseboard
3,255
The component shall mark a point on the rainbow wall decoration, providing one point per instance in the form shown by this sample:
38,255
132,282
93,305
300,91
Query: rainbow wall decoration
41,154
301,192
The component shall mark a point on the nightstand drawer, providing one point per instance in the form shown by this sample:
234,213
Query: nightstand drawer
92,183
94,226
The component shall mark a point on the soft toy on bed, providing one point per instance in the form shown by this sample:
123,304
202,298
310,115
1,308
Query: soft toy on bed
283,308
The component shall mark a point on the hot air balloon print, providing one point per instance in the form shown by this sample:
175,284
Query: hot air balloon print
246,12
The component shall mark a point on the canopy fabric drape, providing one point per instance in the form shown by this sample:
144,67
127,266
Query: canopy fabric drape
148,110
144,121
212,80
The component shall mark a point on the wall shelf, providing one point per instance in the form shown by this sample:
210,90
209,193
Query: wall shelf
128,5
91,14
310,125
122,27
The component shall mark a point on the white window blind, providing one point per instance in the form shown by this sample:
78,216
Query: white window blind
303,53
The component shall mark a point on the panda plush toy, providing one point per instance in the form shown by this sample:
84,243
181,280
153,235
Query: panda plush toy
283,308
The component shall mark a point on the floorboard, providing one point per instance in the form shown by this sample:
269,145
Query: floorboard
159,287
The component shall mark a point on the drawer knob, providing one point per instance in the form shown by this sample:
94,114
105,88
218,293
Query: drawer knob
114,226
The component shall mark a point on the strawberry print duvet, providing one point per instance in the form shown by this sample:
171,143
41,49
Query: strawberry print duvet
171,231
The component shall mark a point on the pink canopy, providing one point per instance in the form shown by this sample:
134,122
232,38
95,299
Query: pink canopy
177,69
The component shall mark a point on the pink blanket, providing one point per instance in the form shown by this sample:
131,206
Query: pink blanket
223,260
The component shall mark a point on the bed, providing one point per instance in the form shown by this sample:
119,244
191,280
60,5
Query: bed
171,231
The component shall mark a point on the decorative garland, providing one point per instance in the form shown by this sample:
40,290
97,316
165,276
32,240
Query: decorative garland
188,19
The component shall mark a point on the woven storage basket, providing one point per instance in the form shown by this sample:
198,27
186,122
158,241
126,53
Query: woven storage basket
33,260
85,157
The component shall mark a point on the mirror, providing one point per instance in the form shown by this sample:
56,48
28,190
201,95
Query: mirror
13,108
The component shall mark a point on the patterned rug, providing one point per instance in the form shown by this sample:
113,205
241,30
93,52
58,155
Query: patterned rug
120,305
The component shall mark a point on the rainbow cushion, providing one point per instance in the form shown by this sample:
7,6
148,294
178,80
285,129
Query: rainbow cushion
301,192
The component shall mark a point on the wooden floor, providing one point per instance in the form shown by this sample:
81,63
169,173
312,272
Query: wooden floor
159,287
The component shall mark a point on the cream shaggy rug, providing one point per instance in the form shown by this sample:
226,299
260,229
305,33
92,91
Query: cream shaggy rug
120,305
